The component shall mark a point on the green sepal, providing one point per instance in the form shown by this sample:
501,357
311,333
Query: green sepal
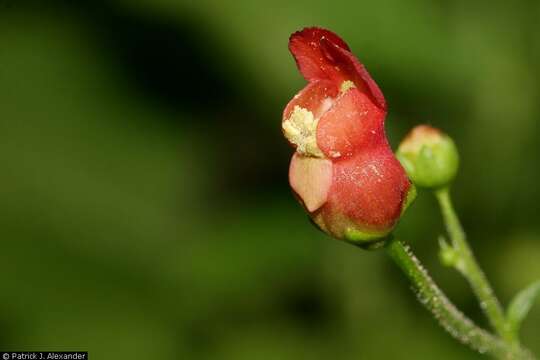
411,196
368,240
520,305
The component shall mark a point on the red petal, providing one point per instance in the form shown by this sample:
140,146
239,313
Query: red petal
306,49
321,54
355,71
312,97
369,189
352,123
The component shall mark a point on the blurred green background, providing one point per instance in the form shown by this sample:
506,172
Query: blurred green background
144,205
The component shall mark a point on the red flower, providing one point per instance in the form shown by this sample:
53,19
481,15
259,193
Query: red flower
343,170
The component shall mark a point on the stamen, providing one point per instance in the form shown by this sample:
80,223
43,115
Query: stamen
346,85
301,129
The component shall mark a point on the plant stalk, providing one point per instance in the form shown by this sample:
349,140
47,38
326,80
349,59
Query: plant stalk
467,265
448,316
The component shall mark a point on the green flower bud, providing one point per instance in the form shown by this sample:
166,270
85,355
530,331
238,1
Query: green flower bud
429,157
447,254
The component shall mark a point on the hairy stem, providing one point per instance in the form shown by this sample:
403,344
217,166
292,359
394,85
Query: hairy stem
450,318
466,264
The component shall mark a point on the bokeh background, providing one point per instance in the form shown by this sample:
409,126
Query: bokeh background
144,205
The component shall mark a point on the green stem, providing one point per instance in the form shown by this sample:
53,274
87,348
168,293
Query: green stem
450,318
466,264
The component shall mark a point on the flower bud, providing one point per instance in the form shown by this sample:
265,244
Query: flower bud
343,170
429,156
447,254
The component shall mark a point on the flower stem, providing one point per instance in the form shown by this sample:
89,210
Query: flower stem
466,264
450,318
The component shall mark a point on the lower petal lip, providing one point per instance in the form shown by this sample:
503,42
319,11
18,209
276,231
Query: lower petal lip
311,179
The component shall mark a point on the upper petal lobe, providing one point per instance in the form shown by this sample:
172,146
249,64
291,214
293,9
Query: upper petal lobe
321,54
